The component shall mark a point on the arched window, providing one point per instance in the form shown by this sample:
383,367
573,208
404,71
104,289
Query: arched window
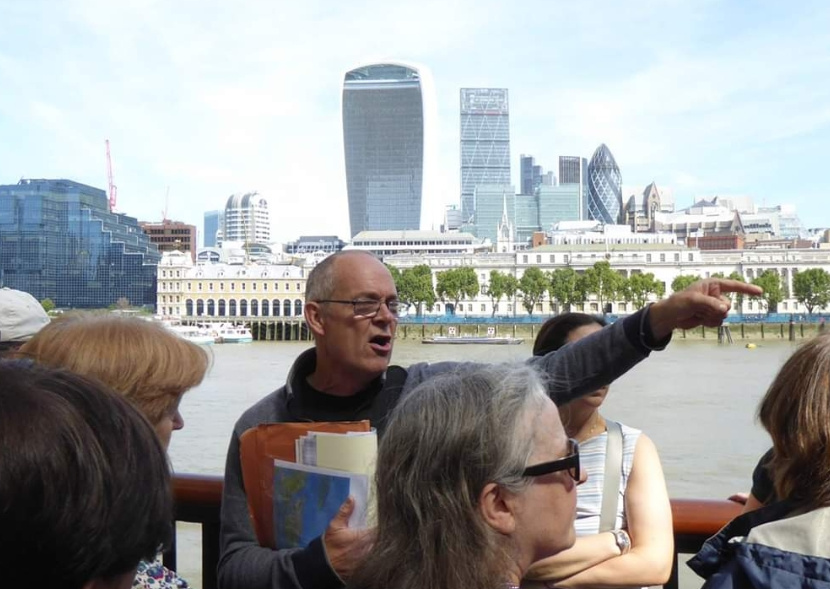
221,307
286,308
232,308
243,308
200,307
188,305
211,308
266,306
254,308
298,308
275,305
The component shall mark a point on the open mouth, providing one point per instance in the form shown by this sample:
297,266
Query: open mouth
381,344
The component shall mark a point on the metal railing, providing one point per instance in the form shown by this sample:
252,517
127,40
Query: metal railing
198,498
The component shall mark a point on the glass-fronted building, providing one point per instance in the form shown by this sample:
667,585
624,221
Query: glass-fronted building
490,203
574,170
604,187
214,222
558,203
383,140
485,143
58,240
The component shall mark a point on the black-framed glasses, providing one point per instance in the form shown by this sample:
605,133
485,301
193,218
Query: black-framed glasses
569,463
368,307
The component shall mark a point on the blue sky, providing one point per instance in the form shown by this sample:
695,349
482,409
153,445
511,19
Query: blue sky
210,98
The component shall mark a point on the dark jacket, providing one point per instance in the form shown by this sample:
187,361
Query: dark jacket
774,546
575,370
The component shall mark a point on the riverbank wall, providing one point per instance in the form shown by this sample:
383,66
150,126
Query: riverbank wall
737,331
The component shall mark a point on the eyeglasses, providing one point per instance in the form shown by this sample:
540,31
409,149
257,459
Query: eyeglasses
569,463
368,307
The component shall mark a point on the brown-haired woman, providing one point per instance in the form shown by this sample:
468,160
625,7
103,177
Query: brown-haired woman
141,360
785,543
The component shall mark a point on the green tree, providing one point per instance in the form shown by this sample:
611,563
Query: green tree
683,281
566,287
415,287
603,281
638,287
533,284
456,285
511,287
812,288
47,304
773,293
396,275
497,288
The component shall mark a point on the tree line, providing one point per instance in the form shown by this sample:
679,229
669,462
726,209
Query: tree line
567,287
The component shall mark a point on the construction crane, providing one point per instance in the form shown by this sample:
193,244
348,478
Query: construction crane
113,189
166,202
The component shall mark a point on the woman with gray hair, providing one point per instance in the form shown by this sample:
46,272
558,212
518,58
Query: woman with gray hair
476,480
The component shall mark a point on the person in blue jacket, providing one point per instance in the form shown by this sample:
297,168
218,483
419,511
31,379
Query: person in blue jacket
785,543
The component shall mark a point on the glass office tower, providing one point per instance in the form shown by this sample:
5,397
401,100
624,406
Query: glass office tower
604,187
58,240
485,143
383,140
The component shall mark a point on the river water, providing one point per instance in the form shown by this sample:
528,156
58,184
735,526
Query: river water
696,400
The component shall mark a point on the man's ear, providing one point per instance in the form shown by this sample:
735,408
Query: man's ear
314,318
497,508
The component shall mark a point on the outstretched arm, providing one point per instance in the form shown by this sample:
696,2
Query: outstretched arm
600,358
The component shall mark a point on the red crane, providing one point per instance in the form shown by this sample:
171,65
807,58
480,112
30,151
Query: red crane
113,189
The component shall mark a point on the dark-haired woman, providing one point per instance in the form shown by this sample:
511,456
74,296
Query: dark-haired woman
623,523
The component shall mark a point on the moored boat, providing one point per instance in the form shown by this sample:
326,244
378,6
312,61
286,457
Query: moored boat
233,334
470,339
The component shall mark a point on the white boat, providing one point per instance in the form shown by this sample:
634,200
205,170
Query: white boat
232,334
197,335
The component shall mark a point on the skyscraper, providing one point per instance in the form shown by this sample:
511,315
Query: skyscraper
59,240
485,142
214,221
386,116
604,187
247,219
574,170
526,165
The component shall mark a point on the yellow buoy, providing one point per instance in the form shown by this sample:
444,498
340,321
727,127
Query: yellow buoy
751,346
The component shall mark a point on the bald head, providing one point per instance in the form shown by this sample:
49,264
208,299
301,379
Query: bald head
322,280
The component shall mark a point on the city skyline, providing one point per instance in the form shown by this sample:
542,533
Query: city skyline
718,100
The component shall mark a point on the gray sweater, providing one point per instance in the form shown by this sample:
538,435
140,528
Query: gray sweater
574,370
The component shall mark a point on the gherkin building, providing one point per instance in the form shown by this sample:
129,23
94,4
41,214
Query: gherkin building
604,187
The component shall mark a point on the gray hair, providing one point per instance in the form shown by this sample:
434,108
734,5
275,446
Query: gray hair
320,284
449,438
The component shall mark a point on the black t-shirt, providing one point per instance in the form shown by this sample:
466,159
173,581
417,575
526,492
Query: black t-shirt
762,488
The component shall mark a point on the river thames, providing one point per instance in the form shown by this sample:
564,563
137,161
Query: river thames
696,400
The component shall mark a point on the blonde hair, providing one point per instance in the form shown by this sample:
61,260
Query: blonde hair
796,413
143,361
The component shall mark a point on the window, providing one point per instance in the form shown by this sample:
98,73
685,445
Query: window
677,257
233,286
567,258
243,286
552,259
210,286
298,287
484,307
662,257
253,286
648,257
189,286
691,257
538,258
199,287
524,259
509,307
265,286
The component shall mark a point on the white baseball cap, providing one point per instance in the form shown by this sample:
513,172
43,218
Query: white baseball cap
21,316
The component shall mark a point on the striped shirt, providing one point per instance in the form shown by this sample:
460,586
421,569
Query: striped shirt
589,493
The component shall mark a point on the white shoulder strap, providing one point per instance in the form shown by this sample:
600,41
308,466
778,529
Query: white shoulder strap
613,472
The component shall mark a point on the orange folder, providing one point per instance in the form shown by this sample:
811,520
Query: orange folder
259,447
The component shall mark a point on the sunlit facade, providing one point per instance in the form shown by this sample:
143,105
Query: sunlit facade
604,201
58,240
388,113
